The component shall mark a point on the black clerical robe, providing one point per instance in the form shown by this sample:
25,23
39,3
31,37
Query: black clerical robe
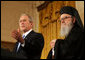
72,47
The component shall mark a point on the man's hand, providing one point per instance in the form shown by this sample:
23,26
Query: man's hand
52,43
17,35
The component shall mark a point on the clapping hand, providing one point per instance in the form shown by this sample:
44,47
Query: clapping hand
17,35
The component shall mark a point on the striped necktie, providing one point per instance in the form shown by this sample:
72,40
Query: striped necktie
20,43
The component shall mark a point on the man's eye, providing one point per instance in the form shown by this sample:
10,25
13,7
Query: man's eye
66,17
62,18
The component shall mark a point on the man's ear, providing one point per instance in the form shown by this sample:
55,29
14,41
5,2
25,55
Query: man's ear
32,24
74,19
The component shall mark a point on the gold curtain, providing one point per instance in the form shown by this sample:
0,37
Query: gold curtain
49,24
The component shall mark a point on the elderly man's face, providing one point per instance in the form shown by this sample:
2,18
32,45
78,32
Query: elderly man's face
24,23
65,19
66,24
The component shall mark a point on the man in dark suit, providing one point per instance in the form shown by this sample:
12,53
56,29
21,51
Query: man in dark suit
30,44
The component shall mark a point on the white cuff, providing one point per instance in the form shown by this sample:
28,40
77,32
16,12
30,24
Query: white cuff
52,51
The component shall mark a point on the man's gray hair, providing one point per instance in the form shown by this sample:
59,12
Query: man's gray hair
30,18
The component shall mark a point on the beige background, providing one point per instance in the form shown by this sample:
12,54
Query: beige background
80,8
10,13
11,10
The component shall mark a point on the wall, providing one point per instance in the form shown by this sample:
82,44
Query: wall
10,13
80,8
11,10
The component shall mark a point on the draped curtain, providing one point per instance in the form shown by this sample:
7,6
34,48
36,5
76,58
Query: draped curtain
49,24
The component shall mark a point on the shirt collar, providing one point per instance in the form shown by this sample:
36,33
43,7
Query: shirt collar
27,32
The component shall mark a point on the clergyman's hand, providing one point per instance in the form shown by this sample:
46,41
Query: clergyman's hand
52,43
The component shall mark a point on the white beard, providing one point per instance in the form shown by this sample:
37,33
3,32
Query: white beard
66,29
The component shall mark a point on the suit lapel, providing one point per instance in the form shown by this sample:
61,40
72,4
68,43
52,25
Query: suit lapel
30,34
16,47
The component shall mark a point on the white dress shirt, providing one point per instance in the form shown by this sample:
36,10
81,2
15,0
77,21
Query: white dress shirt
25,34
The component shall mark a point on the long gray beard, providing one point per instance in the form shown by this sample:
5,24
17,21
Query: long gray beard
65,30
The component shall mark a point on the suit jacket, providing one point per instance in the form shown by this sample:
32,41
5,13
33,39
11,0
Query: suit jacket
34,43
72,47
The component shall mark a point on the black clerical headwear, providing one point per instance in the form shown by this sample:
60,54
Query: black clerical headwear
72,11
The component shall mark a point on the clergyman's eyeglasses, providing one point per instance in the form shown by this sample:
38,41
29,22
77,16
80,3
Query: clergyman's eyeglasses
65,18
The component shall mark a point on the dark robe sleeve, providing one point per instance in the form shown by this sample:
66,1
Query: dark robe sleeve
49,55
